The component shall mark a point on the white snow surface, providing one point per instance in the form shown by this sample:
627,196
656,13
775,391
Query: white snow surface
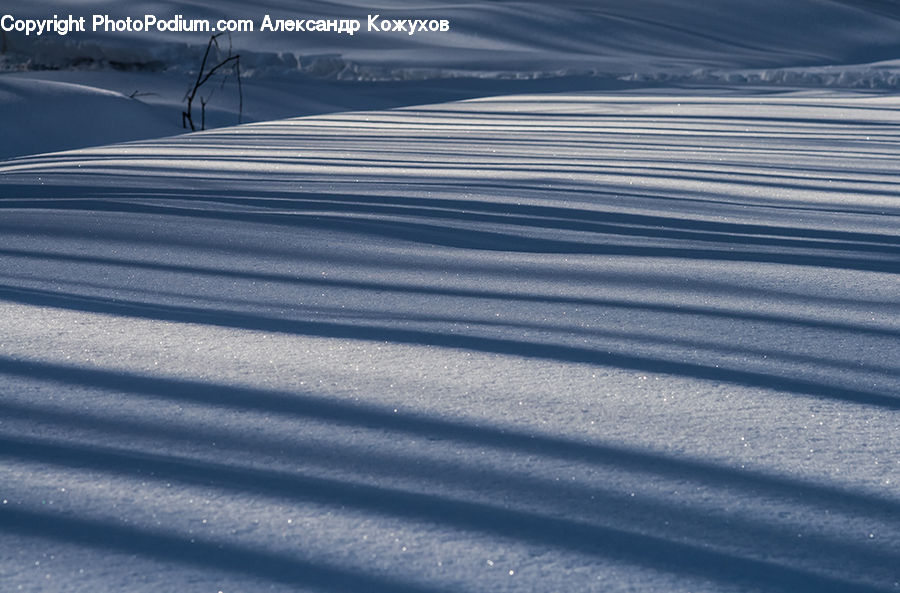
592,342
438,321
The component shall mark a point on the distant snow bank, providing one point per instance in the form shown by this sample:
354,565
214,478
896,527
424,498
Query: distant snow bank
522,39
883,75
491,49
61,54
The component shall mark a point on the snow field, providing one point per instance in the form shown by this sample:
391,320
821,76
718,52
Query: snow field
594,342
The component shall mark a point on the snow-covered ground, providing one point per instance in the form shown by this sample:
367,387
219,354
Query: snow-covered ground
620,339
491,48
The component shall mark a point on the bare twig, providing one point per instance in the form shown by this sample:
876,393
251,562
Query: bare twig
203,75
136,94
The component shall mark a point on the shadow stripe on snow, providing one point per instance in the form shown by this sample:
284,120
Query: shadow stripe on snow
505,346
635,548
306,405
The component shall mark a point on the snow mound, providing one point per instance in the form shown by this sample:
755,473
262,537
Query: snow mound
42,116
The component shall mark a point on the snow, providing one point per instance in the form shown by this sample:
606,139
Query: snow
543,334
491,49
70,115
